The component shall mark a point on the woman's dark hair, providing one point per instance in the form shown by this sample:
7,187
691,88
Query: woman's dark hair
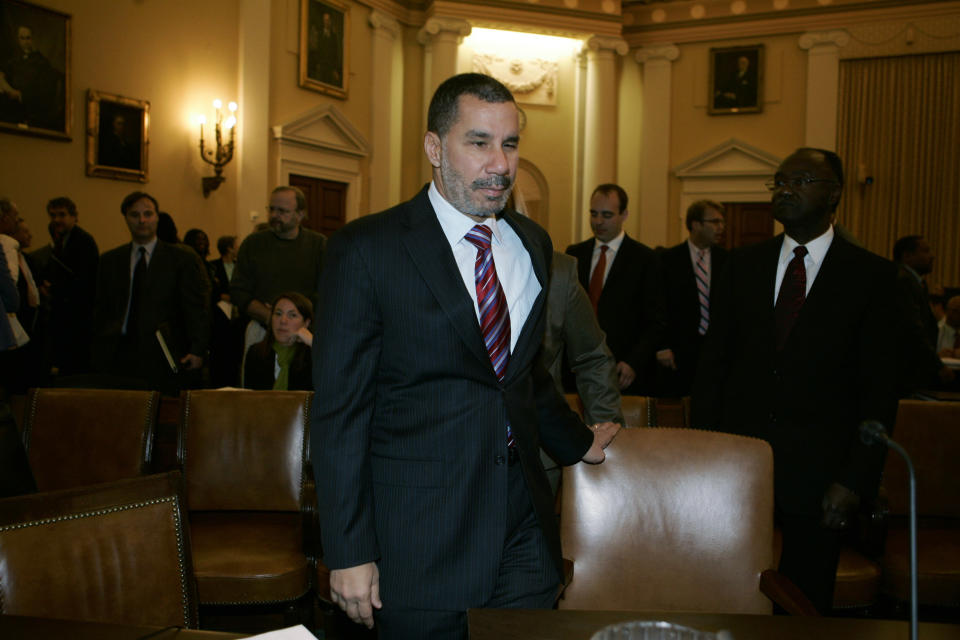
190,239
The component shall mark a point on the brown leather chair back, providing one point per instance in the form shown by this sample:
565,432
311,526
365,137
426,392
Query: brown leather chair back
930,432
116,552
575,403
245,450
77,437
673,520
638,411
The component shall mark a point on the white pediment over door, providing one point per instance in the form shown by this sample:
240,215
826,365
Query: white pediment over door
322,143
730,172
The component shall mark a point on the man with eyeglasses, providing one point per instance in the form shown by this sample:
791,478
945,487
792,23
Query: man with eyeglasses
687,271
802,349
285,257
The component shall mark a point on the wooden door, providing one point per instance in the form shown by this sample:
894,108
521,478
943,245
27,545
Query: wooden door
747,223
326,203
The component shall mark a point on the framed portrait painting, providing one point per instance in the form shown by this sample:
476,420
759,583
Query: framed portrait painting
325,46
736,80
34,70
117,137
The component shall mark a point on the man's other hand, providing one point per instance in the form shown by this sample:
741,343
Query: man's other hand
357,591
603,435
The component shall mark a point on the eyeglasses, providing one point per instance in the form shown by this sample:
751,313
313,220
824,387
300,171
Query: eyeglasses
280,210
794,183
713,221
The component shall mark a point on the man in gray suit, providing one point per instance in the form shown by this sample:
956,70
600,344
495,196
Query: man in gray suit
431,403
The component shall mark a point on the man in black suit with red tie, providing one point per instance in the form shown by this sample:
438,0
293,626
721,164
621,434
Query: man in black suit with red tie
688,270
800,350
431,403
620,276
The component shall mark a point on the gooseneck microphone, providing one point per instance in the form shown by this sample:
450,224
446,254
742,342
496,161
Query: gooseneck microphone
871,433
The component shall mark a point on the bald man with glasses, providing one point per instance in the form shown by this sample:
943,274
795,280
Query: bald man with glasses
687,271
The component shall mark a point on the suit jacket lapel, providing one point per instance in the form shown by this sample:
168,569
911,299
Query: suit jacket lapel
584,255
430,252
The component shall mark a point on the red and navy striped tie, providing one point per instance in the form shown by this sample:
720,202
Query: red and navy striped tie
494,316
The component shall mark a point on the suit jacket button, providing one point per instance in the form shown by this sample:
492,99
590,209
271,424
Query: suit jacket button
500,459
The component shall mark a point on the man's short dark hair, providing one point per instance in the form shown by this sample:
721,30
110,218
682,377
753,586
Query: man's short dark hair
698,209
608,188
224,243
297,193
63,202
905,245
131,199
443,111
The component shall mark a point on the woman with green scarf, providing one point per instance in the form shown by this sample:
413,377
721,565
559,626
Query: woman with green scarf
281,361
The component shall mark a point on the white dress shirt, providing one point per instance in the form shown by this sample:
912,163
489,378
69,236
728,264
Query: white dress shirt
612,248
514,268
816,252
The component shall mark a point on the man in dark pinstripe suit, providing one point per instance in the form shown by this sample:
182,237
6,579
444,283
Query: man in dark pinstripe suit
432,495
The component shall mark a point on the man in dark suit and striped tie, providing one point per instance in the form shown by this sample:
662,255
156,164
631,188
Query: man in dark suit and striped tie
687,271
431,404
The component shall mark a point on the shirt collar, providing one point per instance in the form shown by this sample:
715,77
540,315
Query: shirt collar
816,248
695,250
912,272
613,244
150,246
455,223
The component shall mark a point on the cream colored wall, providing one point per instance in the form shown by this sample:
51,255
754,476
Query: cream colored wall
177,54
288,100
779,129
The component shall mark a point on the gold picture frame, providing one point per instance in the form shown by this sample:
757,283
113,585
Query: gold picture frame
35,85
118,137
736,80
325,46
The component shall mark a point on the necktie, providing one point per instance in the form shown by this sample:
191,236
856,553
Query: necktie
703,290
793,291
596,279
136,289
494,315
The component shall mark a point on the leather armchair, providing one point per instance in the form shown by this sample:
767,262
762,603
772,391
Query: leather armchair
76,437
117,552
674,520
251,503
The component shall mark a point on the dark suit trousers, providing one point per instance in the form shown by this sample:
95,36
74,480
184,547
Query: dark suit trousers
527,579
810,556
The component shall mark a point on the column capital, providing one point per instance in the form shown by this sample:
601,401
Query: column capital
381,21
811,39
599,43
667,52
435,25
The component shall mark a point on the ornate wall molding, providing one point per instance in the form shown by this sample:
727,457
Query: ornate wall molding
837,37
435,26
667,52
604,43
380,21
532,80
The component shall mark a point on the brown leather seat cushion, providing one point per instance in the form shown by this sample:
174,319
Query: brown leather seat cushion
248,557
938,562
858,580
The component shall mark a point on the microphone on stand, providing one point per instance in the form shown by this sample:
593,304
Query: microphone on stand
871,433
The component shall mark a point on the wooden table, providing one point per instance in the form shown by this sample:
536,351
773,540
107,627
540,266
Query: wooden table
520,624
25,628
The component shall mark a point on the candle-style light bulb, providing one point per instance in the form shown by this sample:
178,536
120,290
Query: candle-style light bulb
232,106
217,103
230,122
202,119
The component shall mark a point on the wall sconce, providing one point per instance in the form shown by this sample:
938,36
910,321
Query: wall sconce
224,152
